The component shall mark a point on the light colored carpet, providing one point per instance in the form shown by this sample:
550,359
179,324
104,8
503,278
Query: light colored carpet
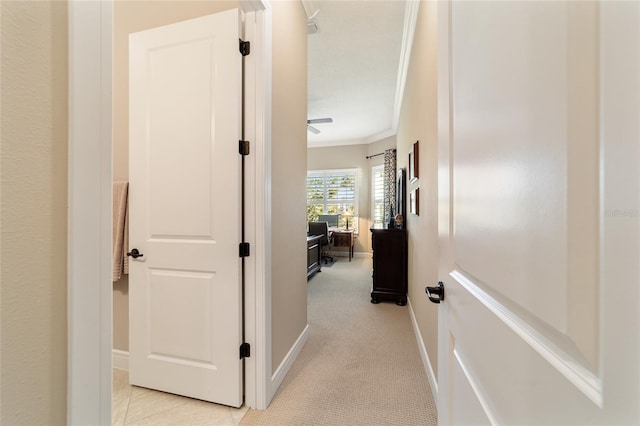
361,364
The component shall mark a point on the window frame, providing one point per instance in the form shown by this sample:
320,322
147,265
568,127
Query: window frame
325,201
374,201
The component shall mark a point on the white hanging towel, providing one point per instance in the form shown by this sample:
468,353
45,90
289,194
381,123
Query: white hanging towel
120,231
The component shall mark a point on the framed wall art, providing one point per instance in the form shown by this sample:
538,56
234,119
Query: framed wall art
413,163
401,193
414,202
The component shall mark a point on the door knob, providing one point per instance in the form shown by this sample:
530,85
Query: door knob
435,294
135,253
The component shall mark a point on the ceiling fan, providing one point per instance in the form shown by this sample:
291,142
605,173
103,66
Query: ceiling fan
317,121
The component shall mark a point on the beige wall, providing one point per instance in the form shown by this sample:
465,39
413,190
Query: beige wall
418,122
130,16
354,157
121,314
33,316
288,177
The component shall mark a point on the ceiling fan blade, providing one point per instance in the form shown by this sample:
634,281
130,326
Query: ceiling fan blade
320,120
313,129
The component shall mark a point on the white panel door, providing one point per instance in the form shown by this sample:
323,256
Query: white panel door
185,291
538,112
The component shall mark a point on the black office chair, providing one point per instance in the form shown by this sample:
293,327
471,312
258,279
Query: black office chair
321,228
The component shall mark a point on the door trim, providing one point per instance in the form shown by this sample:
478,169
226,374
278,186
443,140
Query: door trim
89,286
257,110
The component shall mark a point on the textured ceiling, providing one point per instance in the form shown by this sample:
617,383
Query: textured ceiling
353,69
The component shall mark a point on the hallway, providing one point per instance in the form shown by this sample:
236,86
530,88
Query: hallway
361,364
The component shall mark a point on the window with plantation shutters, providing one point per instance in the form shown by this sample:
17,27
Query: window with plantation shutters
333,192
377,196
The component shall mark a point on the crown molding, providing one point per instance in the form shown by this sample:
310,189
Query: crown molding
311,8
382,135
408,32
326,144
254,5
362,141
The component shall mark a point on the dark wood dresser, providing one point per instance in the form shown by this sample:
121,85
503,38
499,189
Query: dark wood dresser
389,265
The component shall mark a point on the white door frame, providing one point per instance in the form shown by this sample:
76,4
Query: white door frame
89,285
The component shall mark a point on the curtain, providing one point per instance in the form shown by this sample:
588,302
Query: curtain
389,183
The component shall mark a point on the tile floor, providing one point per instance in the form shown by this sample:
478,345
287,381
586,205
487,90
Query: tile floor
139,406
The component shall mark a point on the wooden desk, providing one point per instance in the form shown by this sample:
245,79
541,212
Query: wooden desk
344,238
313,254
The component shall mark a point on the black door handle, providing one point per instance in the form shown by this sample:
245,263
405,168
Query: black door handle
135,253
435,294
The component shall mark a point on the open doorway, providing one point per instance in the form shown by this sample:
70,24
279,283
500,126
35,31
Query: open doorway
90,305
357,65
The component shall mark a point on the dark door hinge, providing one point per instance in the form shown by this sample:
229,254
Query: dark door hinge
245,350
244,147
245,47
244,249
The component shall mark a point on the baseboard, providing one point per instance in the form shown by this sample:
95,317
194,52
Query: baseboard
425,356
120,359
284,367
